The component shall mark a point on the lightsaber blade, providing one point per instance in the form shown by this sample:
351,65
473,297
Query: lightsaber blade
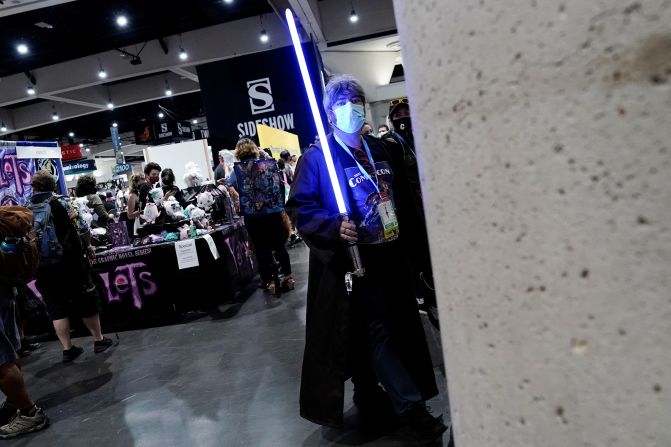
314,107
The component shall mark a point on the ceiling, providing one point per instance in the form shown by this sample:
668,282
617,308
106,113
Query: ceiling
86,27
64,60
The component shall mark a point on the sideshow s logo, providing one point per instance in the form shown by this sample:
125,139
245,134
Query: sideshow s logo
164,127
260,96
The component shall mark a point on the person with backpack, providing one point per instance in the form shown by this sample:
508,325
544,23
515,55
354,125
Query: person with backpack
63,276
18,263
262,205
19,414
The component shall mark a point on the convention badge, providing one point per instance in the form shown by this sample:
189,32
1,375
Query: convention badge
389,221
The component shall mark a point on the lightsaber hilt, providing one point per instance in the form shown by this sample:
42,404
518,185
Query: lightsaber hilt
359,270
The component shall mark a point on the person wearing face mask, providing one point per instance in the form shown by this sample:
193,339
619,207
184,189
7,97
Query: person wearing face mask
399,115
373,335
152,171
367,129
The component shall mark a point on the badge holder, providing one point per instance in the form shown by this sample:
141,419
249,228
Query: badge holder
359,270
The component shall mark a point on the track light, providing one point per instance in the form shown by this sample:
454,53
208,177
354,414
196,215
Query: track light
54,116
168,90
115,124
102,74
110,105
183,55
71,134
88,149
22,48
122,21
264,34
194,121
228,2
160,114
353,17
81,144
30,90
3,128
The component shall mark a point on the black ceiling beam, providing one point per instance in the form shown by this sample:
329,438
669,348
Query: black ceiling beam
164,46
30,77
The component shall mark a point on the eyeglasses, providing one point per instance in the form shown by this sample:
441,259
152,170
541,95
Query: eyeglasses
399,101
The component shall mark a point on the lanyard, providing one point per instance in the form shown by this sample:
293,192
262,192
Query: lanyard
370,159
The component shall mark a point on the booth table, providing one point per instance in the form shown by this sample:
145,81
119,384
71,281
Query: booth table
144,285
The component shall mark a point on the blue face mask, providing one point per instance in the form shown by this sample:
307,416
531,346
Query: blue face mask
350,117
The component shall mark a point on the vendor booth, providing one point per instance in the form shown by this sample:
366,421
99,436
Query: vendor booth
155,283
188,255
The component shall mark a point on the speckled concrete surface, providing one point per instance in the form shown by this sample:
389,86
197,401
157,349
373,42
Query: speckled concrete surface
544,141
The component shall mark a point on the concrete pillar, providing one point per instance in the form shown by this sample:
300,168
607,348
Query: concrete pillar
544,139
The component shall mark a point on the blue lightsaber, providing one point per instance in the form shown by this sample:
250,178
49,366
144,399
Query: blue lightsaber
340,200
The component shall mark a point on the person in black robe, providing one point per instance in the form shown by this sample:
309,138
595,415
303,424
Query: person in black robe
374,334
420,257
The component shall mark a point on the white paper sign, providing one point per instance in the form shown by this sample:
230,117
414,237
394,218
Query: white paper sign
38,152
212,245
187,256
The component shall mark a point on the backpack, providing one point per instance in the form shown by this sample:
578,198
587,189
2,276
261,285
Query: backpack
261,187
19,253
51,250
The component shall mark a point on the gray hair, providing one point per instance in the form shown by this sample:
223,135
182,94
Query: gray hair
342,85
222,153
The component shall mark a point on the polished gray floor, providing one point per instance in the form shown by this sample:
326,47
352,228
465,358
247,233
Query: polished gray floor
227,382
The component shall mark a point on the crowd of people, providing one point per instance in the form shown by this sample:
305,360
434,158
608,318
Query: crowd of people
369,332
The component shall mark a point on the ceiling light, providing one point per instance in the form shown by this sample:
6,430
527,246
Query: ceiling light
102,74
81,144
30,90
160,114
228,2
3,128
88,149
194,121
44,25
54,116
122,20
183,54
168,92
110,105
22,48
115,124
71,134
353,17
264,36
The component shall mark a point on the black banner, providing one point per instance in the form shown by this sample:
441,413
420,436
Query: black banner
168,131
261,88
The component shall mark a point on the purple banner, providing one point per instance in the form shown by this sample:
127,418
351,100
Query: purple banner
15,177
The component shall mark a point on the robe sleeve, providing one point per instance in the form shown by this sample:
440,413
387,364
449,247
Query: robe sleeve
307,205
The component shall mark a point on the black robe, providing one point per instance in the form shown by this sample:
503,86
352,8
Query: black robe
332,344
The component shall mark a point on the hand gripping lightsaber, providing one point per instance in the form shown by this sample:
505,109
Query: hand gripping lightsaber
353,249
